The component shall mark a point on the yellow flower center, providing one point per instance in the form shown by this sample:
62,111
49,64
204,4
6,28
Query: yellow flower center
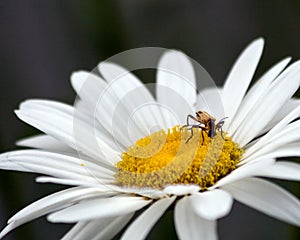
166,158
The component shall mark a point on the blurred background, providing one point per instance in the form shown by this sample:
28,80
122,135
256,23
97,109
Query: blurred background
43,42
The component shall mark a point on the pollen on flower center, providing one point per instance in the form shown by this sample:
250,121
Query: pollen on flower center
164,158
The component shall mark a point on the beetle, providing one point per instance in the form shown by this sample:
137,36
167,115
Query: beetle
206,123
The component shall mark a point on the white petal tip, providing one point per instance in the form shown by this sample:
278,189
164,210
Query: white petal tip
106,66
212,205
111,71
180,189
256,45
78,78
52,219
259,41
57,218
288,59
17,112
171,54
19,143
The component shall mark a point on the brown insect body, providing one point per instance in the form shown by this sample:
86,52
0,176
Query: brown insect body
206,123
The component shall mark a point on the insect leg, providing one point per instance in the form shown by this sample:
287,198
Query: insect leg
187,121
192,117
222,133
192,132
184,126
220,125
202,137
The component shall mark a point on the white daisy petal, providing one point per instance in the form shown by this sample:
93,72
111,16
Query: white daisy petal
272,134
210,100
140,228
88,86
287,134
240,76
181,189
64,181
109,231
176,84
102,100
57,120
281,143
285,110
244,171
53,164
105,228
90,89
189,226
99,208
276,151
134,95
62,133
49,204
56,201
268,105
45,142
287,150
105,183
267,198
85,112
255,93
77,229
53,106
211,205
146,192
282,170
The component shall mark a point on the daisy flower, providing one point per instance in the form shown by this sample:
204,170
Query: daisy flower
128,157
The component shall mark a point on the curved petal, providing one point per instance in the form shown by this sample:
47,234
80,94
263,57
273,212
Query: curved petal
281,142
282,170
88,86
176,84
49,204
272,134
240,77
255,93
181,189
106,184
53,164
266,197
244,171
45,142
134,96
140,228
211,205
77,229
268,105
100,100
105,228
56,119
189,226
276,151
99,208
285,110
210,100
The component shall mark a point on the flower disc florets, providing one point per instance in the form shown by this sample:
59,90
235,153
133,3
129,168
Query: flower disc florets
165,158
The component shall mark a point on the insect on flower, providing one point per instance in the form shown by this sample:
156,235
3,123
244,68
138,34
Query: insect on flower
206,123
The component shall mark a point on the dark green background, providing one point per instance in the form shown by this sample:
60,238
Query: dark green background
42,42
